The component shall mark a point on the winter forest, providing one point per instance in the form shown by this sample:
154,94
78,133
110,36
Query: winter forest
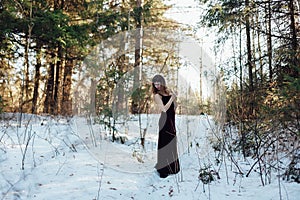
78,117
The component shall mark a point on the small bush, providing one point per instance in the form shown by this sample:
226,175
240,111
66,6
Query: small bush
206,175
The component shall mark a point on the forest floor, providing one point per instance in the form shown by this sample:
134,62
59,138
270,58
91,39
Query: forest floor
73,159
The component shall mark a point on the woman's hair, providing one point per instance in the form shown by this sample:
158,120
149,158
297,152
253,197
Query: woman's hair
161,80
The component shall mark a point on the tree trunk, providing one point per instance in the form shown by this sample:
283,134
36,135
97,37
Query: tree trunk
241,113
66,104
294,72
261,65
93,90
240,61
137,55
49,103
254,52
26,72
58,5
251,97
269,39
38,65
57,86
249,52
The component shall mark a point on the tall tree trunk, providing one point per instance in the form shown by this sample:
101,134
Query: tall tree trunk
66,104
120,97
241,106
249,52
269,39
294,72
58,5
27,65
38,65
254,52
240,61
93,90
26,72
56,96
261,71
48,104
251,95
137,55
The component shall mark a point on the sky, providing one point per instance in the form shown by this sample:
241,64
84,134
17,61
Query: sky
188,12
194,48
182,8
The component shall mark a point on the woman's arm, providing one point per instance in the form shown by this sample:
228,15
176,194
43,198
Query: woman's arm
160,104
175,104
175,100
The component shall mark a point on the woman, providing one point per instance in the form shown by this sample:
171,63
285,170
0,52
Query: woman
167,156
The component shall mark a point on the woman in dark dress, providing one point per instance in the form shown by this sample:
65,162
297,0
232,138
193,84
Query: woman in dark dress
167,156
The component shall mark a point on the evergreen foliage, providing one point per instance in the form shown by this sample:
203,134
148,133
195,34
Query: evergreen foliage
263,97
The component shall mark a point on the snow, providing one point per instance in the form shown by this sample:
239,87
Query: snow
69,158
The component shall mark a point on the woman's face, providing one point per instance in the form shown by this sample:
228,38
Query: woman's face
157,85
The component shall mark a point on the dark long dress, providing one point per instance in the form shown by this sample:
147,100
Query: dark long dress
167,156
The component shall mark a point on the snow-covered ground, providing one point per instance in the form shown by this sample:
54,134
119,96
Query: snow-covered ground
72,159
